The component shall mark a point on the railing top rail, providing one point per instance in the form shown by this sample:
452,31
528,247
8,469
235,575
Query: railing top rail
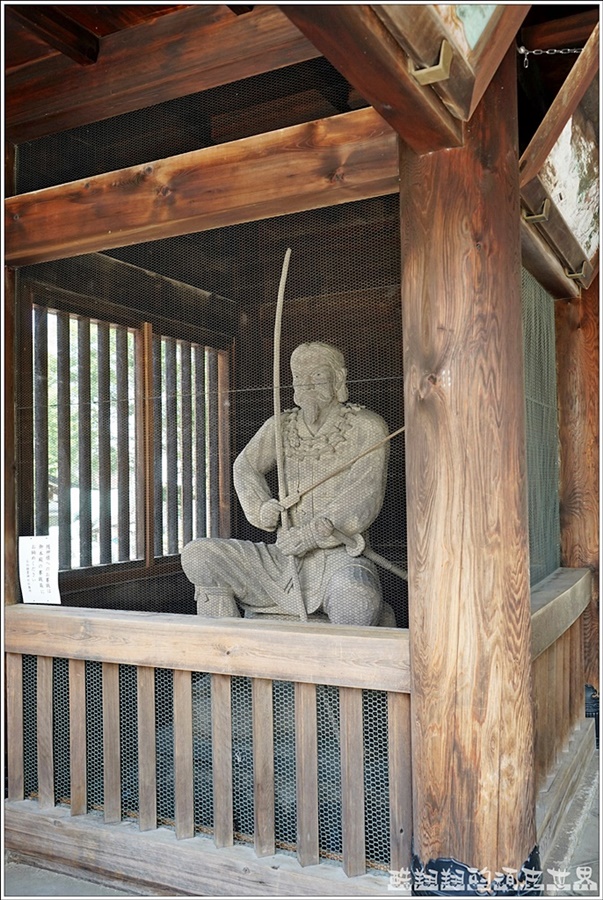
372,658
557,601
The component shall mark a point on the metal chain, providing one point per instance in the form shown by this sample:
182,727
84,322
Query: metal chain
551,52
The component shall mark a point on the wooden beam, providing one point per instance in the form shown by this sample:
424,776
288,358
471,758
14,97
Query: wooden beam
357,43
321,163
420,30
153,62
558,33
576,84
472,739
577,333
60,32
540,261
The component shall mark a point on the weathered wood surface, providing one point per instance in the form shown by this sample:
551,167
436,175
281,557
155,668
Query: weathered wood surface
375,658
157,861
322,163
111,744
352,784
577,335
183,755
559,112
14,726
400,779
128,291
263,766
77,737
152,63
306,773
221,721
10,530
564,32
354,39
556,602
540,261
147,751
420,30
44,720
466,484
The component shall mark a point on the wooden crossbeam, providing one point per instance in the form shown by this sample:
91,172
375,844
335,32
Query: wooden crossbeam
60,31
356,42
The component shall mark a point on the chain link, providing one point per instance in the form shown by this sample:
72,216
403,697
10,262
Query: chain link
551,52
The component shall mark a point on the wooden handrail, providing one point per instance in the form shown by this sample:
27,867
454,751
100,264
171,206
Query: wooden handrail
372,658
557,601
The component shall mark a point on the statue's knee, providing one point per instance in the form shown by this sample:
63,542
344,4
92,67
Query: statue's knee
354,598
194,561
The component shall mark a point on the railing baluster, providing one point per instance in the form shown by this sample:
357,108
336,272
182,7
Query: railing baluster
14,726
111,743
200,452
577,697
306,768
64,439
147,753
123,442
41,420
400,781
45,732
84,440
263,766
186,456
77,736
183,754
352,781
221,720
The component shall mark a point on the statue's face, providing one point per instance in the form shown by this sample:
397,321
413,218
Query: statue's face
313,383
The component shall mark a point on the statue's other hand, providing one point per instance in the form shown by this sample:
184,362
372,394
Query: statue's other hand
270,514
300,539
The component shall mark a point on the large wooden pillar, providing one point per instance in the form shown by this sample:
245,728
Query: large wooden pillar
469,592
577,334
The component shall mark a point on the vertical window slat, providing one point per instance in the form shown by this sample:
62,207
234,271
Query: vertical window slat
123,443
186,443
41,420
104,443
213,442
84,442
171,439
200,444
157,445
64,439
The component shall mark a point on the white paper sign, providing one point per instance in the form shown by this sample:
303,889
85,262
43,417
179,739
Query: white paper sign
39,569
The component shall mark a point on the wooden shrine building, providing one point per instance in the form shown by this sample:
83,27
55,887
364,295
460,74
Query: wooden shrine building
434,171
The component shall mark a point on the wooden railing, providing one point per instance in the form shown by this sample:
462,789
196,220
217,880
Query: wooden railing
558,670
353,660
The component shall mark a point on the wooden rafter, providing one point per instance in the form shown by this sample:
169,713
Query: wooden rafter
160,61
356,42
60,31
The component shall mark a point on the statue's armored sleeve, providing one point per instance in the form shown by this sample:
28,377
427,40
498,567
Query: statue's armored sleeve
249,471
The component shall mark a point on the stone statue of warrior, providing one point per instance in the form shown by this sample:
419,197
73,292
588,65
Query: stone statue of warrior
328,516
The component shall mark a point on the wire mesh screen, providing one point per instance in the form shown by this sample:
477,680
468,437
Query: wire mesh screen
373,771
541,428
